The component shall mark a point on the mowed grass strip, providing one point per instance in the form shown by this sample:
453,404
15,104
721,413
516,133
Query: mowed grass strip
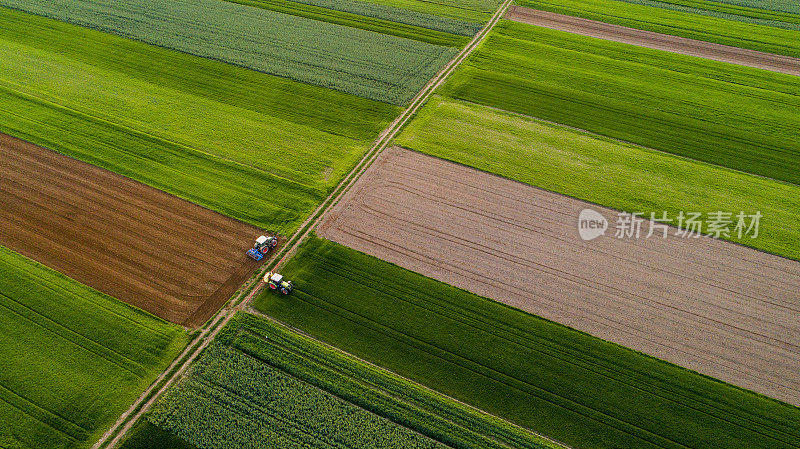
256,147
333,397
372,65
560,382
779,37
355,20
71,358
737,117
601,170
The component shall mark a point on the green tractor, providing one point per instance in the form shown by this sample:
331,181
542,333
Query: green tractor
277,282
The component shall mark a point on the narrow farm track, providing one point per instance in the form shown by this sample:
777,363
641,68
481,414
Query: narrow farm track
721,309
658,41
251,288
175,259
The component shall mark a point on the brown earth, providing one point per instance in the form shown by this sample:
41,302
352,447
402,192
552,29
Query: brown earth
658,41
170,257
719,308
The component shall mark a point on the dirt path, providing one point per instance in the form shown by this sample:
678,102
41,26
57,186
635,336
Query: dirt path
209,331
150,249
715,307
649,39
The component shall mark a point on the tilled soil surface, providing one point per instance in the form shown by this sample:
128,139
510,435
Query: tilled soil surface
722,309
150,249
658,41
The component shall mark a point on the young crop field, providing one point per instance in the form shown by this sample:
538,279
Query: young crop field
768,35
789,6
733,116
71,358
381,18
563,383
358,21
756,15
372,65
474,11
255,147
600,170
261,385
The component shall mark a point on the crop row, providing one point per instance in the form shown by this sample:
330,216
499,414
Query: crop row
536,373
258,405
787,6
738,117
769,39
90,356
393,14
345,18
256,147
730,12
401,15
474,11
371,65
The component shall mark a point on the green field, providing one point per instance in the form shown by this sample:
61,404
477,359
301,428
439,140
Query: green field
355,20
372,65
755,15
361,13
563,383
729,115
475,11
256,147
261,385
770,39
71,359
790,6
601,170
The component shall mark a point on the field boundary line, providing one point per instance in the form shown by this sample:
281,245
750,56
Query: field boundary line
251,287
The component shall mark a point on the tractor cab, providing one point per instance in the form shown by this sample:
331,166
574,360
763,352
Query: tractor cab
262,246
276,281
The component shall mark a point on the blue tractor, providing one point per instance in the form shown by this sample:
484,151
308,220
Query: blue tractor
262,246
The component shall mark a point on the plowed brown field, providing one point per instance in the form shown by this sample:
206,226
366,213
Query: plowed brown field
719,308
158,252
658,41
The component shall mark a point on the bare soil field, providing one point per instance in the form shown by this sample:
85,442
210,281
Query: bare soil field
721,309
658,41
150,249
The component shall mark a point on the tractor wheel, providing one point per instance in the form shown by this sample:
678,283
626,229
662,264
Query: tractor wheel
285,291
273,286
273,243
